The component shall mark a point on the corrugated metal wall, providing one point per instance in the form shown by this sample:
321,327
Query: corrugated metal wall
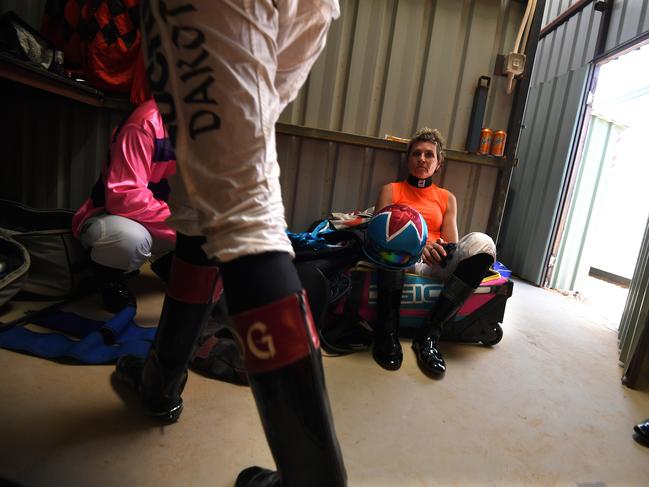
52,147
629,18
635,319
547,146
319,177
392,66
568,48
552,117
389,67
29,10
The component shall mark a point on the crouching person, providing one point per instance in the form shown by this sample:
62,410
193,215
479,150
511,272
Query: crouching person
123,221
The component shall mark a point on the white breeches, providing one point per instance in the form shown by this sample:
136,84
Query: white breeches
471,244
222,73
121,243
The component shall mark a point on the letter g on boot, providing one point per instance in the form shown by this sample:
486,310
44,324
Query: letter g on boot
260,343
276,334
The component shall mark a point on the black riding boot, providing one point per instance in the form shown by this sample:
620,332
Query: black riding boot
284,365
160,379
429,359
641,434
115,293
162,266
387,348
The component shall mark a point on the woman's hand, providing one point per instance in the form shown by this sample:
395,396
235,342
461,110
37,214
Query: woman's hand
434,253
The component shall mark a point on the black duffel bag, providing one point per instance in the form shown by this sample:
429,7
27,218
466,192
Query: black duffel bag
14,264
60,266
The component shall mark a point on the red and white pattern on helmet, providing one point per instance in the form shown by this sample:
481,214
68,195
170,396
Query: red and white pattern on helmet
399,218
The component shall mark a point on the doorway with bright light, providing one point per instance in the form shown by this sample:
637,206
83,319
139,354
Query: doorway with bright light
602,227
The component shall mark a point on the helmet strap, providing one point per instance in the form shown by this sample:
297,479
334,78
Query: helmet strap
420,183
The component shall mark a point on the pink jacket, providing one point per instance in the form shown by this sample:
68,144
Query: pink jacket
134,184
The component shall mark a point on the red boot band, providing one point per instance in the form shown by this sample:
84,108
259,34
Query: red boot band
276,334
194,284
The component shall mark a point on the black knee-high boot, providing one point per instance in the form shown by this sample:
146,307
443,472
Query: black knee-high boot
115,293
429,359
466,278
642,433
282,355
387,348
161,377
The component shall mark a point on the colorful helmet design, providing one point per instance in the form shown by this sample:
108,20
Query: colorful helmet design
396,236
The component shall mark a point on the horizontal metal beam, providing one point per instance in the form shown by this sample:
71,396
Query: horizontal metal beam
623,48
564,16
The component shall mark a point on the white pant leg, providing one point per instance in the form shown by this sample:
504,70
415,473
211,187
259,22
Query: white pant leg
303,26
213,68
117,242
471,244
160,247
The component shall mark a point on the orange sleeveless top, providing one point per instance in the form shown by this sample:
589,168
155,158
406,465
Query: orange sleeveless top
431,202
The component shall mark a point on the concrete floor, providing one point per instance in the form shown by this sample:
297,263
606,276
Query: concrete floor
543,407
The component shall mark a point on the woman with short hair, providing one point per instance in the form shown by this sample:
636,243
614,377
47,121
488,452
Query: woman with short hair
461,265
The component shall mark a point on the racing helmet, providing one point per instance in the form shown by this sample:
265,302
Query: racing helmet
396,236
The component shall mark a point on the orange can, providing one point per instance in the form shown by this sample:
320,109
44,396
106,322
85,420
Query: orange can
498,145
485,141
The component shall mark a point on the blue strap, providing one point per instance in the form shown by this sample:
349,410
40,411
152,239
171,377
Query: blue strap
68,323
99,345
311,240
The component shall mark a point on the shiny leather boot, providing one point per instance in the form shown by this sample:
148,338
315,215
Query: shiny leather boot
161,377
258,477
387,348
161,267
115,294
429,358
642,433
282,356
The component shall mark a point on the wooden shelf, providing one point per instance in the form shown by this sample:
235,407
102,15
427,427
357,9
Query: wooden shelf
35,76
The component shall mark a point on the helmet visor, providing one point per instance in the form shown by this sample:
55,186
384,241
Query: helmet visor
394,258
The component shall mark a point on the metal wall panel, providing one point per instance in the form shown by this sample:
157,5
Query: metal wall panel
628,24
319,177
635,318
586,26
389,67
29,10
552,114
629,18
558,85
53,147
567,48
393,66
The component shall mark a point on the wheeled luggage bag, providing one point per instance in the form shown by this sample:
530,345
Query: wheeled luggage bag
479,320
